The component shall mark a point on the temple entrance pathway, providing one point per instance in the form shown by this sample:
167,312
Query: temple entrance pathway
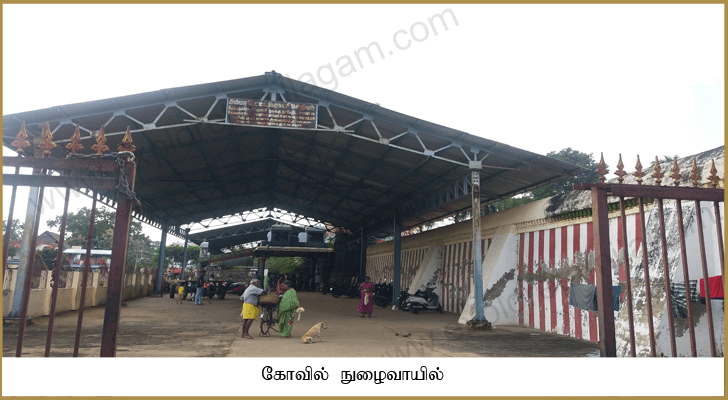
158,327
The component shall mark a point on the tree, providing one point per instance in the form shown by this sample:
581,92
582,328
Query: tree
77,227
283,265
48,256
139,247
563,186
462,216
566,185
505,204
139,251
176,252
16,231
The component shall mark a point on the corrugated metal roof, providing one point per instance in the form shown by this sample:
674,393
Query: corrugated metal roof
363,162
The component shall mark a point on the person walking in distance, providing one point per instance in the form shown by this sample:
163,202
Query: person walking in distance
198,285
180,293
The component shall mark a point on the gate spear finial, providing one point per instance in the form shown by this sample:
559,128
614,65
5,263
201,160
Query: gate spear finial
620,171
100,147
638,173
694,175
126,143
75,144
713,178
46,140
21,143
602,170
658,175
675,173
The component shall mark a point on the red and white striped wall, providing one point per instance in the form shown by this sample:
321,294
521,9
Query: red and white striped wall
549,259
457,274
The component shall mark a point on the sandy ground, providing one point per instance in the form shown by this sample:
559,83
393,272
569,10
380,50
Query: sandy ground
158,327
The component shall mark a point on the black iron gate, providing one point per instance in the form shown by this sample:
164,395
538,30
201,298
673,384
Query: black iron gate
599,193
111,172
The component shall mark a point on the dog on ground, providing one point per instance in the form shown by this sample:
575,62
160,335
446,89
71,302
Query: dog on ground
313,332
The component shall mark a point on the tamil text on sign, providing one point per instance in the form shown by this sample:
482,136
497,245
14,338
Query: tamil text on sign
272,113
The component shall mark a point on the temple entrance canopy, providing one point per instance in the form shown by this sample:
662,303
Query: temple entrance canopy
205,154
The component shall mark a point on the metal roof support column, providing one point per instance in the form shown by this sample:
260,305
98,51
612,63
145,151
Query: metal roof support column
9,227
160,267
343,257
26,283
477,249
114,298
261,268
26,253
184,255
363,259
397,267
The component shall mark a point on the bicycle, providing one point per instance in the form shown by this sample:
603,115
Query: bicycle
268,318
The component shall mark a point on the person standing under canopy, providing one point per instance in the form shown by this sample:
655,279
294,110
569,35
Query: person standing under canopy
250,306
287,309
367,298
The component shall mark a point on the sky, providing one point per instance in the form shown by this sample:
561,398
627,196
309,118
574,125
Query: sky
629,79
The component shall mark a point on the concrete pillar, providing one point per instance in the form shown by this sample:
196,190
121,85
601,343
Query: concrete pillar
501,305
162,250
397,270
343,257
184,257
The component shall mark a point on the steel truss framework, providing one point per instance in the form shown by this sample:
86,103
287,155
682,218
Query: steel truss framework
245,228
360,164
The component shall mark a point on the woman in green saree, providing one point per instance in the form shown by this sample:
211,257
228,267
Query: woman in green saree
287,309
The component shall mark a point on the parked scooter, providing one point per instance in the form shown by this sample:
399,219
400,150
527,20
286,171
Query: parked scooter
424,300
402,301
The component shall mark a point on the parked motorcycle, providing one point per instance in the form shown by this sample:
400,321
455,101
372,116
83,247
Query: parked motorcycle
221,288
324,288
424,300
383,294
352,290
337,289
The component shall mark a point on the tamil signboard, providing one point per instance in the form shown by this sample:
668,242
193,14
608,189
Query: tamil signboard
272,113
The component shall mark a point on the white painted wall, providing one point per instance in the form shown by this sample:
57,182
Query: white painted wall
429,271
500,305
